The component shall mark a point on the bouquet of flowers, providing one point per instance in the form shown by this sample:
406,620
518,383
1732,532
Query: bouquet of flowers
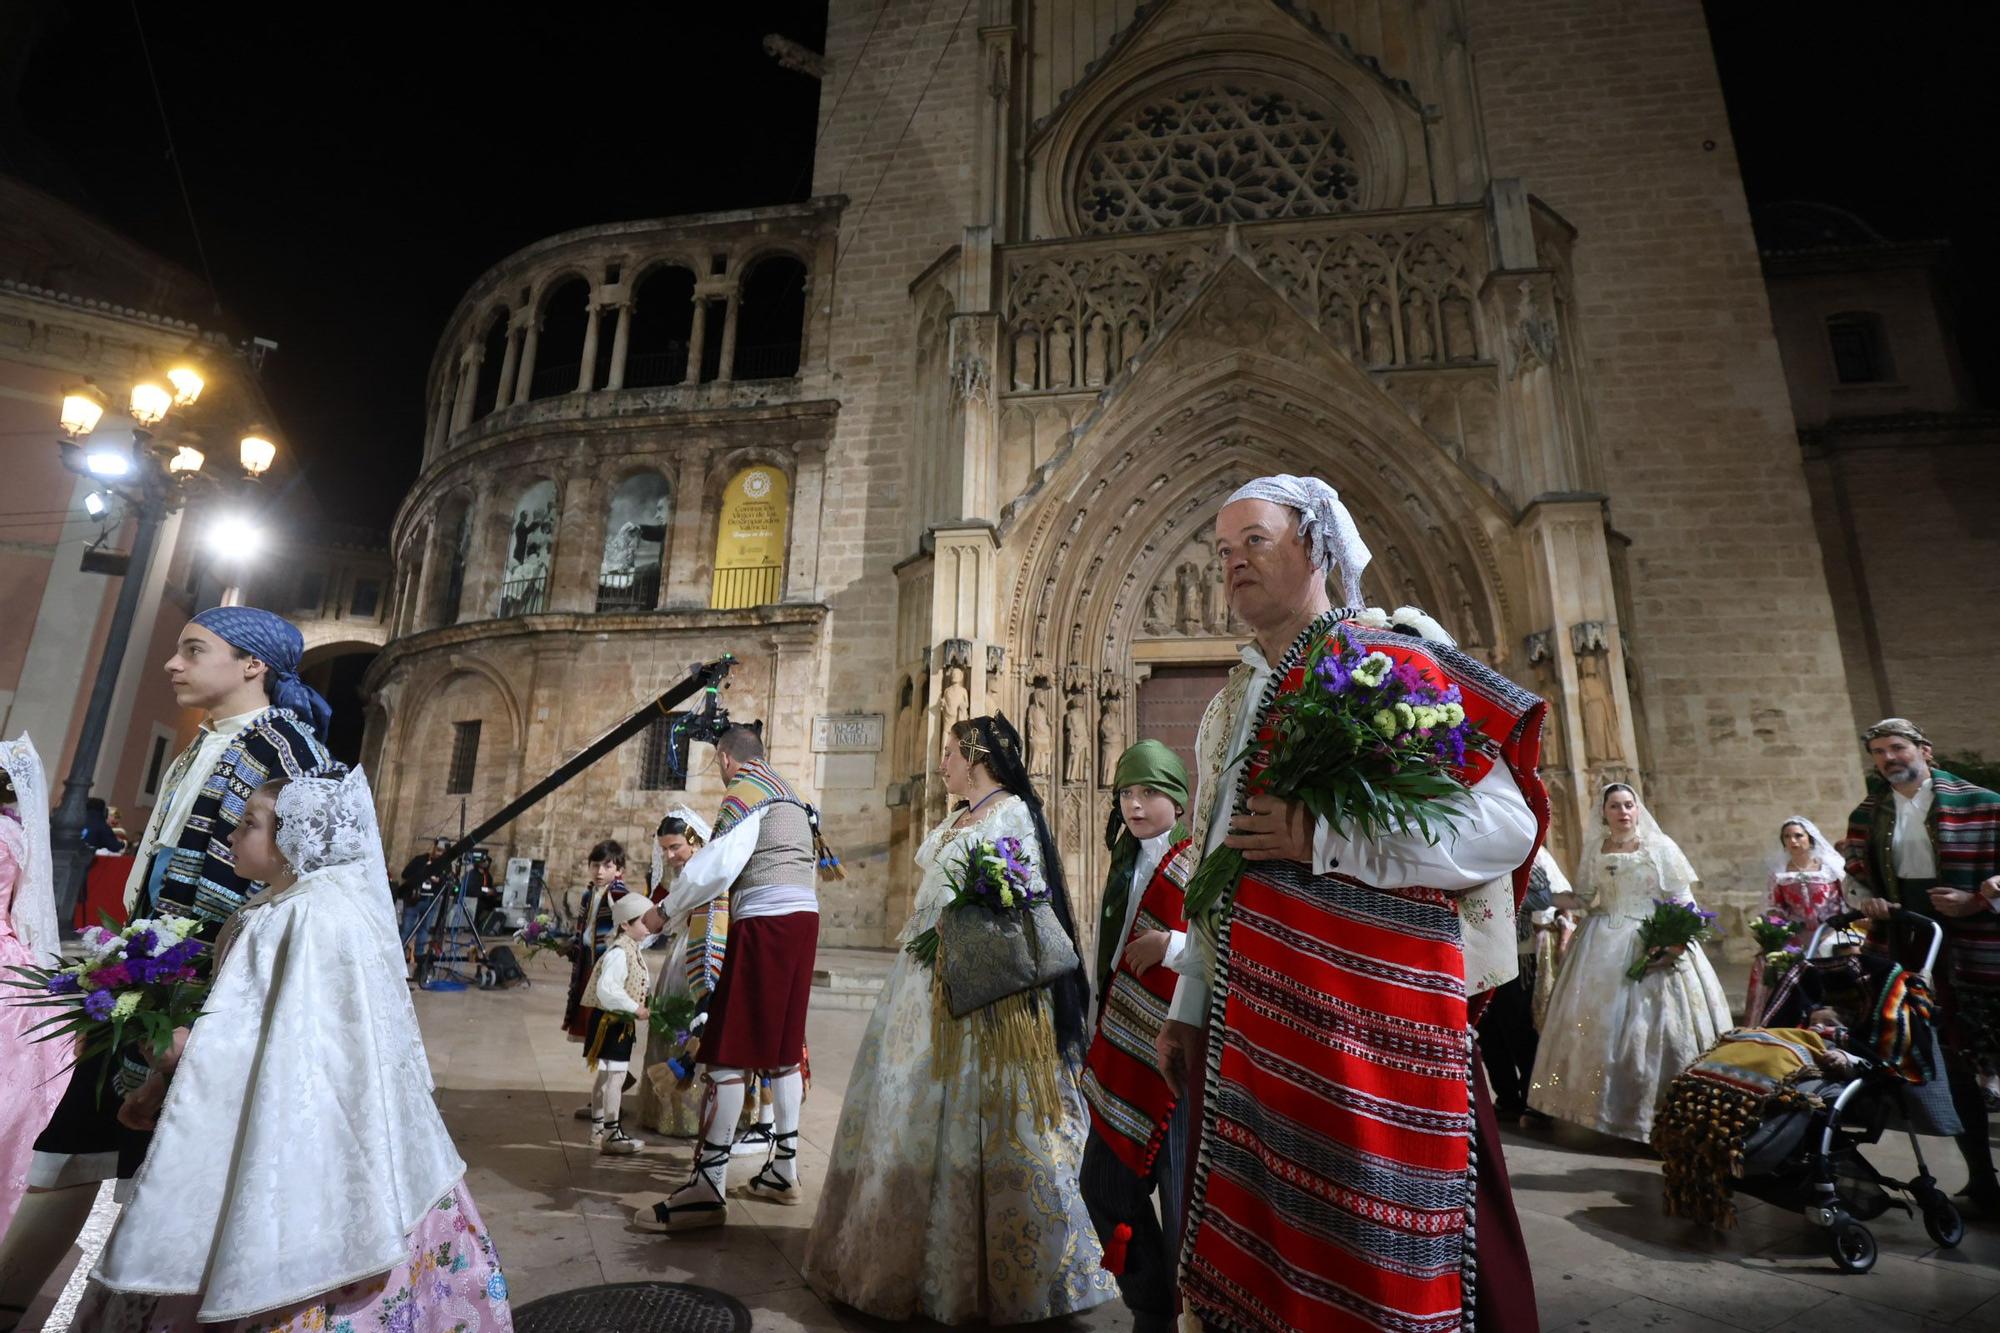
1773,931
674,1018
994,877
1671,928
543,935
137,983
1365,744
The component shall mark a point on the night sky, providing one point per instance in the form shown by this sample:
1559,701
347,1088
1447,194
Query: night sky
350,181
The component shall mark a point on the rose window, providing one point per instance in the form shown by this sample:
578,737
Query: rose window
1209,155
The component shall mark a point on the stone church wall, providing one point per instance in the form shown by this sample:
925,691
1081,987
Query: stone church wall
1613,115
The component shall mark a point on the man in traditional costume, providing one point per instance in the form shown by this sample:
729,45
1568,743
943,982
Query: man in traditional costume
1138,1133
1321,1022
1928,841
765,854
240,666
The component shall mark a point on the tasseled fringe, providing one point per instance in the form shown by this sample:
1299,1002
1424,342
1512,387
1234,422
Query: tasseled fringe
1190,1323
596,1044
1700,1136
1016,1039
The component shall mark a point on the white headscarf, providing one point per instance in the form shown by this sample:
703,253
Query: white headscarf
695,825
34,906
1324,523
1677,874
1831,862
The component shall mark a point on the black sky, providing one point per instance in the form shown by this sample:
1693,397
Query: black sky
350,180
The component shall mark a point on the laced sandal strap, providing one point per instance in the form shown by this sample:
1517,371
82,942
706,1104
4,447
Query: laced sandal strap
711,1155
786,1145
767,1177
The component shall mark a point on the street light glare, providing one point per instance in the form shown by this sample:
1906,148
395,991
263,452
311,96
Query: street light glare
107,461
94,504
186,459
236,536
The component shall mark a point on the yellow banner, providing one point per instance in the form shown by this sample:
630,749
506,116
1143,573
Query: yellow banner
750,539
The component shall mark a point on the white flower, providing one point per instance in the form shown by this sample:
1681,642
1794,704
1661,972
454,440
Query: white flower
1406,717
1384,721
99,940
1427,717
125,1004
1454,714
1374,617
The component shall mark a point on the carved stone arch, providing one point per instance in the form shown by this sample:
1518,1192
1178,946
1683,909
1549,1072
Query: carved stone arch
1262,51
546,283
674,256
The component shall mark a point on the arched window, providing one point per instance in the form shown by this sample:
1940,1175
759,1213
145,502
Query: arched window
486,394
452,546
662,326
524,584
1216,149
559,358
750,539
770,320
635,535
1860,348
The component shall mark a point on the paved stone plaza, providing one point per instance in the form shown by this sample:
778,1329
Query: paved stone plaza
1606,1260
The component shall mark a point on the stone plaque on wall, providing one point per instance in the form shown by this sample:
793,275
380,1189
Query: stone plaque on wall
847,733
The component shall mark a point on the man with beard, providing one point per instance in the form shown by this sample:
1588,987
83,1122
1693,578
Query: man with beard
1321,1022
1929,842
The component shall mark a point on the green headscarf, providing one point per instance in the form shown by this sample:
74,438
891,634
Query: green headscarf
1147,764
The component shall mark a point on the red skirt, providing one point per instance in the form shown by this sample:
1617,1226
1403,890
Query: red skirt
757,1017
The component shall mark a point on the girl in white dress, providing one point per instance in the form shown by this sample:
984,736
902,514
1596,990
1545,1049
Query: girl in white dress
952,1193
1610,1045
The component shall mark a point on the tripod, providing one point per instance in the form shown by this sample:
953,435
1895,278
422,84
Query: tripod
452,938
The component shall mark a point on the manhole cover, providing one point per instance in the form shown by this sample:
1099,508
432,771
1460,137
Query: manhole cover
634,1307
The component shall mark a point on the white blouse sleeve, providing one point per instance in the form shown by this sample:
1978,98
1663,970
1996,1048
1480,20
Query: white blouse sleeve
611,996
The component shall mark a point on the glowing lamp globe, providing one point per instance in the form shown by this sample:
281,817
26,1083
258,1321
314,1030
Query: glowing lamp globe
150,401
82,407
258,454
188,384
186,459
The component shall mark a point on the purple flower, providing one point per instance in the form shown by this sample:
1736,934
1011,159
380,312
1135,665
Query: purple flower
98,1004
64,983
142,945
108,978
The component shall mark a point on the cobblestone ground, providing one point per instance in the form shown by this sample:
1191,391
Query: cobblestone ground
1605,1258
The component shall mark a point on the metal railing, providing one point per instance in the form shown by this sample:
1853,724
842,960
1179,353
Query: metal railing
550,381
756,586
770,361
524,597
629,589
652,369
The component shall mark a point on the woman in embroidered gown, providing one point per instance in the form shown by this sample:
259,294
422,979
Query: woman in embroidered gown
33,1073
300,1177
1610,1046
1805,889
952,1189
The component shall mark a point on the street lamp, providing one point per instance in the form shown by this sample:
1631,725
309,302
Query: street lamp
153,476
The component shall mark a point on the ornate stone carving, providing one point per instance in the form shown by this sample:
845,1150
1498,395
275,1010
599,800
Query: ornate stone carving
1417,327
1096,351
1600,712
1539,646
996,657
1110,730
1076,737
1460,343
1159,618
1041,737
1588,636
954,706
1062,358
1378,344
1220,150
1027,357
1217,596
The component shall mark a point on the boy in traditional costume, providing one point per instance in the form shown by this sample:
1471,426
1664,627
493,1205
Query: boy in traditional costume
617,992
765,855
1322,1019
1138,1139
1928,841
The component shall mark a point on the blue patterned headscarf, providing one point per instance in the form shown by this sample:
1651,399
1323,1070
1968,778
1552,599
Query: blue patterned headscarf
277,643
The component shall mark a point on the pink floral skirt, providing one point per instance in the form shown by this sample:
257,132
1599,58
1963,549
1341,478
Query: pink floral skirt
451,1283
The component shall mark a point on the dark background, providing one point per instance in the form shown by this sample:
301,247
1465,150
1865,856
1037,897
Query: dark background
350,180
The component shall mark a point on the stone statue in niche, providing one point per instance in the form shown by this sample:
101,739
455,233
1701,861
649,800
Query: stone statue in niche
1110,744
1131,337
1417,337
1062,358
1339,324
1076,740
1027,355
1192,610
1460,343
954,705
1096,351
1468,627
1159,609
1600,724
1378,343
1217,596
1041,732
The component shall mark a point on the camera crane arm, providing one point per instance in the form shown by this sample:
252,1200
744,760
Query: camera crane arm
707,723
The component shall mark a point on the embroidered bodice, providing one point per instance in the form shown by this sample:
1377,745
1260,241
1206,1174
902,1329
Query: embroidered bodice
1006,817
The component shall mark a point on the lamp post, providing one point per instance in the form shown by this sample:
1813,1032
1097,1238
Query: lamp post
153,478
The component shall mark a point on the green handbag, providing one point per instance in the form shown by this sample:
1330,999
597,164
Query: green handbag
985,956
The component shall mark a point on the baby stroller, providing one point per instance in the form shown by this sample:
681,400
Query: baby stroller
1810,1159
